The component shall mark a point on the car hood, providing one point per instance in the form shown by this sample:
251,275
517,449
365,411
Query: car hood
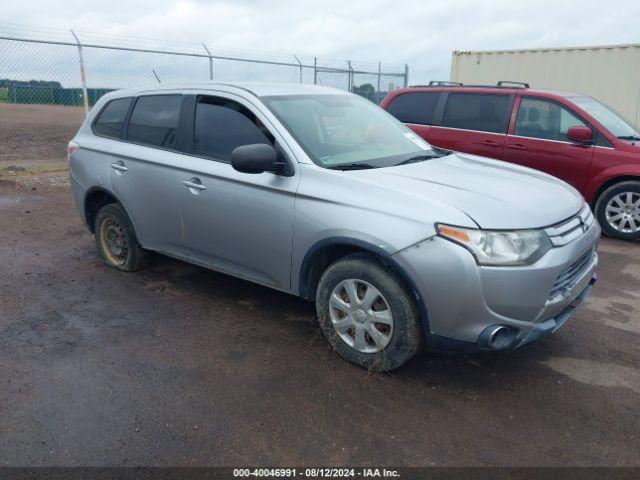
494,194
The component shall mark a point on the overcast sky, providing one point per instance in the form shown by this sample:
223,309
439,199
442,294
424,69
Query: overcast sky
421,33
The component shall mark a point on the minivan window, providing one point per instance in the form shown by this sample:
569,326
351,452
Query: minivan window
538,118
346,131
111,118
607,117
222,125
415,107
476,111
154,120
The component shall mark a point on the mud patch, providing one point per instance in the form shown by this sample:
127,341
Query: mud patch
617,311
596,373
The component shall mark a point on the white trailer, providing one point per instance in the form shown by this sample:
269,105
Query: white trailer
610,74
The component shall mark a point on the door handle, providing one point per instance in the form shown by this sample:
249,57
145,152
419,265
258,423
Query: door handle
490,143
119,165
517,146
194,183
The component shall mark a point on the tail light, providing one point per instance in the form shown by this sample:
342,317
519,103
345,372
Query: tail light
71,148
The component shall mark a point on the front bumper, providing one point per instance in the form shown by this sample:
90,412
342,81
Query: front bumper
462,299
549,326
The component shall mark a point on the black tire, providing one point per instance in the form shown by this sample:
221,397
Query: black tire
406,335
632,187
116,240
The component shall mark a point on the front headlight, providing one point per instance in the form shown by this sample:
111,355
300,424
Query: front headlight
497,247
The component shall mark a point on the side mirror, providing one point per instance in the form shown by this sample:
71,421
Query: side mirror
580,134
256,158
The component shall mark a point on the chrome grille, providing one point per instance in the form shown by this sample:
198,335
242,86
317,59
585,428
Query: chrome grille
572,229
572,274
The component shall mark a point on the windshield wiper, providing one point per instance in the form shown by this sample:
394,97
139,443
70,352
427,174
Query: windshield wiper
351,166
418,158
628,137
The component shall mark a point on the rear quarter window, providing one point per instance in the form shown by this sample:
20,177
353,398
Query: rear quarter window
476,111
111,119
415,107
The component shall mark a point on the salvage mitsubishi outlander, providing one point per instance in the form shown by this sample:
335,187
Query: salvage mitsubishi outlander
321,194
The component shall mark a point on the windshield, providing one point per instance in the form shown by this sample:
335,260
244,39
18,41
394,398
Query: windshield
607,117
346,130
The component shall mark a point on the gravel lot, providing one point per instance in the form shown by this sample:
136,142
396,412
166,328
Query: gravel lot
35,136
177,365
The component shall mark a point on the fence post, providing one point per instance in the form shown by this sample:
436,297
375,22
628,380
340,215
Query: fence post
83,78
315,70
350,77
210,62
299,63
406,75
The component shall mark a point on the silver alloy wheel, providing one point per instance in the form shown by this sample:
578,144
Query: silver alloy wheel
623,212
361,316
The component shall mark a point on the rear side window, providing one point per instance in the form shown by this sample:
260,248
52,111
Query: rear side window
154,120
111,118
473,111
416,107
222,125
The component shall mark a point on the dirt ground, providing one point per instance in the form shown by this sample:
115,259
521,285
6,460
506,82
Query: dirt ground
177,365
27,133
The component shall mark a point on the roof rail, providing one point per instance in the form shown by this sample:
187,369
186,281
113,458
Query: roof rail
437,83
444,83
501,83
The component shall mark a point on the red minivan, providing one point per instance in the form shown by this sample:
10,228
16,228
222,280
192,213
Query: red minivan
568,135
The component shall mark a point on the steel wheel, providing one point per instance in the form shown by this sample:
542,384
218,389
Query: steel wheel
623,212
361,316
115,243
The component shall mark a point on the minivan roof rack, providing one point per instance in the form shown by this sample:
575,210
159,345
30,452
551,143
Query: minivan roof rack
444,83
500,84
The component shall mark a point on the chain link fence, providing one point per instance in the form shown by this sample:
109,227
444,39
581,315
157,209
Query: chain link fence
49,78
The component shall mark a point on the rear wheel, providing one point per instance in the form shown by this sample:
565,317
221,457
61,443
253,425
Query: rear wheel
368,314
116,240
618,210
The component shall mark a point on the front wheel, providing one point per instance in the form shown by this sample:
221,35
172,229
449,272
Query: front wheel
618,210
368,314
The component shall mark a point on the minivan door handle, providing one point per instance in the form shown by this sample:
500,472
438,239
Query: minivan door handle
490,143
119,165
517,146
194,185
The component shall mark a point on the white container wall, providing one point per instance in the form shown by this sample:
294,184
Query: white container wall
610,74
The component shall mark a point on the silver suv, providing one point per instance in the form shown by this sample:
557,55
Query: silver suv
321,194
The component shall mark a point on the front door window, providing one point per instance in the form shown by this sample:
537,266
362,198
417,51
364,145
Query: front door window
545,120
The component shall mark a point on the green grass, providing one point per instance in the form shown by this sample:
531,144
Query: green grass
3,95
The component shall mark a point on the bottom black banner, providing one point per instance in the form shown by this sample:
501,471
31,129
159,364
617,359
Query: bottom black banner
438,473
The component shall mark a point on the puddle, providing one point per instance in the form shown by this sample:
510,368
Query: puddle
7,201
596,373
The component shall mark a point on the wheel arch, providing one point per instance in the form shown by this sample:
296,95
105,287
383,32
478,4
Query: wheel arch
94,200
610,182
325,252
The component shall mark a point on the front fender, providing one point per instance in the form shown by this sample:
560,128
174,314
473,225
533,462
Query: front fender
303,260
